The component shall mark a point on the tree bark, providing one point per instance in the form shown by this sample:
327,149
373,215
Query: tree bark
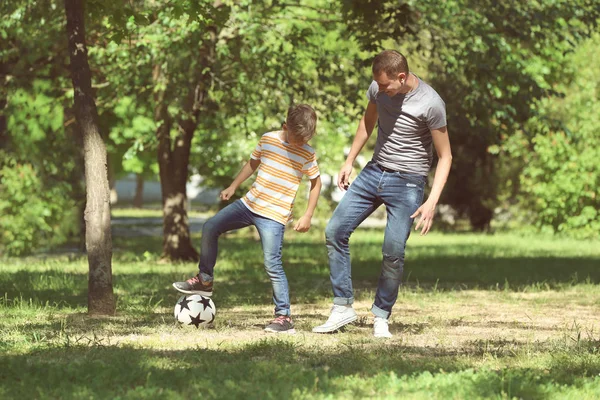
4,70
98,238
3,128
138,200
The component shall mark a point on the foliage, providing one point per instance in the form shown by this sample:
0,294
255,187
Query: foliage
40,187
267,56
40,176
560,148
33,214
298,54
491,62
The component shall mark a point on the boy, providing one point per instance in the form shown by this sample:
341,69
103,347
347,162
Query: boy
282,158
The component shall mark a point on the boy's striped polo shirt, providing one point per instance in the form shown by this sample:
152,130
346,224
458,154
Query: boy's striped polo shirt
281,169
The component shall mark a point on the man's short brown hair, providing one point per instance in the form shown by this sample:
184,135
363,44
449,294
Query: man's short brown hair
391,62
302,121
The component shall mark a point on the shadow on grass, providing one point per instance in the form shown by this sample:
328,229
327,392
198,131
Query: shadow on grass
274,369
244,281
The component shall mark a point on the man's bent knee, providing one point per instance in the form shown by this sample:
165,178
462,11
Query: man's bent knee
392,265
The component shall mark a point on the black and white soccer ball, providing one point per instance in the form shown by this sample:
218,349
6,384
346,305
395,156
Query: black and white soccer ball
195,310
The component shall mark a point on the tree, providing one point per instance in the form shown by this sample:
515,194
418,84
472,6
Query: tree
174,154
97,211
168,73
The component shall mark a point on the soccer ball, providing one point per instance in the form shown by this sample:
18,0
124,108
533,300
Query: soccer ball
195,310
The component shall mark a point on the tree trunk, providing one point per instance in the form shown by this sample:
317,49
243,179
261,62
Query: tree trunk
177,243
173,158
98,239
3,128
3,103
138,200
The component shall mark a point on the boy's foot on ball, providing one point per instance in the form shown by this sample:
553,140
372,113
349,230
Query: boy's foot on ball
195,285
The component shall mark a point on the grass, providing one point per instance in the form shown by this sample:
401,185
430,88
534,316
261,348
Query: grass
480,316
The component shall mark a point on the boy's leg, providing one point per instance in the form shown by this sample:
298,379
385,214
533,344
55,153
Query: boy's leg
234,216
402,196
271,237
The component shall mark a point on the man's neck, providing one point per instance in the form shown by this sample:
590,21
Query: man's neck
410,84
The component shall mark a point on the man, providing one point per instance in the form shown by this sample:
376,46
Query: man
411,119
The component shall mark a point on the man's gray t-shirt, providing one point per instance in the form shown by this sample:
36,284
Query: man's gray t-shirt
404,141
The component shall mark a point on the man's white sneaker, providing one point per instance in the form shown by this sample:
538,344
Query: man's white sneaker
340,316
381,328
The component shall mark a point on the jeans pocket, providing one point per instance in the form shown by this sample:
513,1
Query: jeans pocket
412,180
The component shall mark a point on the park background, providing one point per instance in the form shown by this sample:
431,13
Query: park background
501,300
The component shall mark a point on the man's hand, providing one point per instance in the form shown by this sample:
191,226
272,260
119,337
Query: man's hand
427,211
303,224
344,177
227,193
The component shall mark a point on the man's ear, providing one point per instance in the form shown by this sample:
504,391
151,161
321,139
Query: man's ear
284,126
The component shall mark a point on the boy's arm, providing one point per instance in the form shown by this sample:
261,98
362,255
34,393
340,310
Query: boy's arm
303,223
245,173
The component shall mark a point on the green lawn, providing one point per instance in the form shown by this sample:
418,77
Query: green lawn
498,316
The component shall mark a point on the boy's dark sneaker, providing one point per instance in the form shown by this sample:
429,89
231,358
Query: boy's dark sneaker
281,324
195,285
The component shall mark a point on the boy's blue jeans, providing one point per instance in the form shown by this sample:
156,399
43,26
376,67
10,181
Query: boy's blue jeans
402,194
236,216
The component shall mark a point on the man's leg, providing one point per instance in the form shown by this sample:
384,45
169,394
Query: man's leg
234,216
358,203
402,195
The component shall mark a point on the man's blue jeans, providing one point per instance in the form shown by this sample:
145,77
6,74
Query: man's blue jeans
402,194
236,216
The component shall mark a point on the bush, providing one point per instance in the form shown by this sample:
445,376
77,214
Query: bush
32,214
559,152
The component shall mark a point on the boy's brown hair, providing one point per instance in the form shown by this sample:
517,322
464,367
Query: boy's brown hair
302,121
391,62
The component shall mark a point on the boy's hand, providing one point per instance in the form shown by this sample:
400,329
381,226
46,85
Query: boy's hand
227,193
303,224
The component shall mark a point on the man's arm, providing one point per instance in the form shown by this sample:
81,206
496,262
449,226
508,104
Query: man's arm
364,131
303,223
441,142
245,173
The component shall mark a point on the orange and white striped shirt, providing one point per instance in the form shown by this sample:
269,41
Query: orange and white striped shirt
280,172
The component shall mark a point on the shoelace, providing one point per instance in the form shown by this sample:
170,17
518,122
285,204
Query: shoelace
194,280
280,320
